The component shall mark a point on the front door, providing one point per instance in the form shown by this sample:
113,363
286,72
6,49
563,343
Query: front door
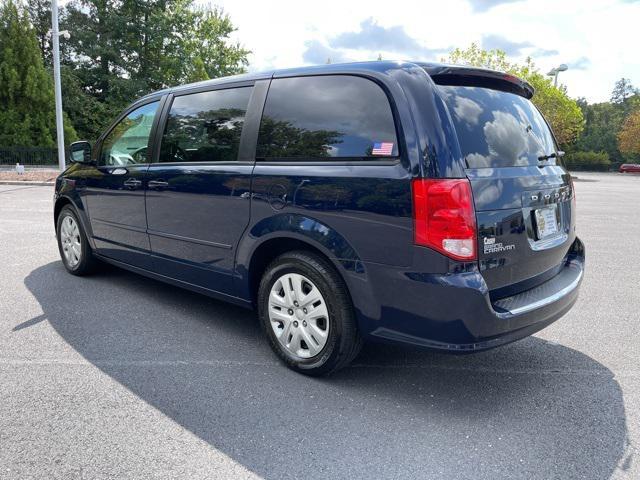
115,189
198,193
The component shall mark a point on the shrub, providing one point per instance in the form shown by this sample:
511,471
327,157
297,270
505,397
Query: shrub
597,161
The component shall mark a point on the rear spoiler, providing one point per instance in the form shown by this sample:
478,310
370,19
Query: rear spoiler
477,77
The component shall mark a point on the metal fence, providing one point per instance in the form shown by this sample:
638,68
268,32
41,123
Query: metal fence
28,156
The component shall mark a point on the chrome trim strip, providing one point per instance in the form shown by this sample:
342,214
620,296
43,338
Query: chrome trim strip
546,301
550,242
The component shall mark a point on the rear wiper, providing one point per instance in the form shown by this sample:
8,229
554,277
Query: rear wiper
557,154
542,158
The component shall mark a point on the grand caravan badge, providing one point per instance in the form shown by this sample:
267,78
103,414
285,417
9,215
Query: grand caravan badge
490,246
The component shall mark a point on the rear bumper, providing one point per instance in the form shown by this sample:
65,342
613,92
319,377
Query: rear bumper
454,312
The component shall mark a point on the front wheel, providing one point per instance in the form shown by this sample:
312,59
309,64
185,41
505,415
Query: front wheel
75,250
307,315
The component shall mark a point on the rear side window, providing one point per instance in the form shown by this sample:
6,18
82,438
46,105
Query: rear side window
326,117
497,129
205,127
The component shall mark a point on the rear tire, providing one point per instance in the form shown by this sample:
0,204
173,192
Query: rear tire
75,251
307,315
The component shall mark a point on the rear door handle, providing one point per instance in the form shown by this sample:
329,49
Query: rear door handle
132,183
157,184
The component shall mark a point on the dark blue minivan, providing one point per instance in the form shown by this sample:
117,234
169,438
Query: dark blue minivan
417,203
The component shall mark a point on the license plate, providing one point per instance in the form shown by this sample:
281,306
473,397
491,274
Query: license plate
546,221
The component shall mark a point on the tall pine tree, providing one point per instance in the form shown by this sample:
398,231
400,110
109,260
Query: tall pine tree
27,108
40,17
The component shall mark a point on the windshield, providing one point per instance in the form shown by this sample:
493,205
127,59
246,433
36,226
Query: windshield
497,129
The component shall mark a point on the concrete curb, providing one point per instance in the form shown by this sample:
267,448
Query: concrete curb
26,183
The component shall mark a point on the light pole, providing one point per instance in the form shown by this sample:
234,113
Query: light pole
55,41
555,71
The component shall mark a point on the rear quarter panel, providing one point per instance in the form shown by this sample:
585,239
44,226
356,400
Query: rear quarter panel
356,213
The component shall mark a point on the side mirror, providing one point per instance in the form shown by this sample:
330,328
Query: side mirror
80,152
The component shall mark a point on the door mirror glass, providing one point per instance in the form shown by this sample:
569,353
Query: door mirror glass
80,152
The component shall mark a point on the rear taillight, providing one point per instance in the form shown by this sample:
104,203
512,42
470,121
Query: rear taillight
444,217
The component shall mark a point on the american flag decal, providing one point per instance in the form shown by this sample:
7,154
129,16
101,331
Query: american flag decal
382,148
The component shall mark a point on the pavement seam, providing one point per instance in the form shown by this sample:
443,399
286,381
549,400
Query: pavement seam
232,363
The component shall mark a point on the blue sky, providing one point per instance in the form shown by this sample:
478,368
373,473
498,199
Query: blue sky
597,39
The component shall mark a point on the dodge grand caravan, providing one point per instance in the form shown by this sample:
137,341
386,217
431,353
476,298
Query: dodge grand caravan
417,203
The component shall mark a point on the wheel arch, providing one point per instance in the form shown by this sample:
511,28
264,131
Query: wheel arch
268,239
270,248
65,200
60,203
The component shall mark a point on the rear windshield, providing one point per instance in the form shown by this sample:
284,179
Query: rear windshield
497,129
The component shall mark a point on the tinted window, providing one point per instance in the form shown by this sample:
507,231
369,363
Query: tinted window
205,127
128,142
497,129
328,116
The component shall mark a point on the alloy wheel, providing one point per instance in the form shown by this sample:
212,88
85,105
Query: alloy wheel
70,241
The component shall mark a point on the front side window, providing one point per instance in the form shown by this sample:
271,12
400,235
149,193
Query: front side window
206,126
326,117
128,142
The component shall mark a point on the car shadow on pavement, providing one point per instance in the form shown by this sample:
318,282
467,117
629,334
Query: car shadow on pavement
532,409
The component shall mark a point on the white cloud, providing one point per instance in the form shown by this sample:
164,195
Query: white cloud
484,5
498,42
598,37
317,52
375,37
467,110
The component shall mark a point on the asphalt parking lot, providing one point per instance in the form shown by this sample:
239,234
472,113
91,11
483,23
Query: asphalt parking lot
119,376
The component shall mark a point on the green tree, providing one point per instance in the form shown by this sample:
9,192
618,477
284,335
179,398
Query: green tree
96,48
476,56
27,108
122,49
561,111
629,135
210,42
90,116
172,42
40,17
198,72
602,123
622,91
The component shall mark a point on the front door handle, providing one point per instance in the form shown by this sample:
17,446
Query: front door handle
157,184
132,183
